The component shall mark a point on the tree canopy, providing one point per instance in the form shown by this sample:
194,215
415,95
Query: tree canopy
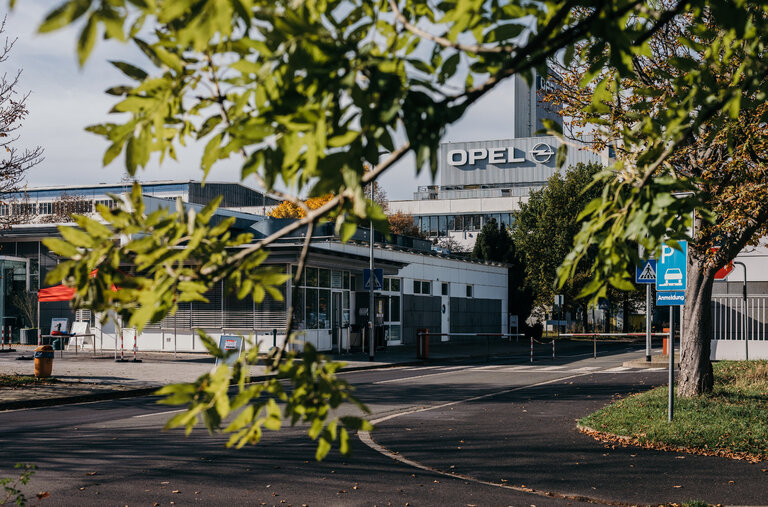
14,162
304,93
721,163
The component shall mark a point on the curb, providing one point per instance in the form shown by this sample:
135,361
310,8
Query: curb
627,441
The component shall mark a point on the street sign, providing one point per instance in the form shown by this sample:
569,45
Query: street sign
670,298
723,272
559,300
231,345
379,278
647,272
672,268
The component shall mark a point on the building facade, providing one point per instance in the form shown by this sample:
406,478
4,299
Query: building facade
484,180
421,289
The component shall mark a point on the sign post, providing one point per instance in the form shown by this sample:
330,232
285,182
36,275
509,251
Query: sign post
671,282
646,274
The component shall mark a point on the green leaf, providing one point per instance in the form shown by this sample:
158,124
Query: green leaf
323,448
64,15
130,70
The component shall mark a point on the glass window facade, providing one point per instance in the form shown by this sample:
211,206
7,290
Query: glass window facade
313,298
441,225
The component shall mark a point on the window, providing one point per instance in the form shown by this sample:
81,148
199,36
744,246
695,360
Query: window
386,285
45,208
469,291
325,278
444,288
458,224
311,276
395,285
422,287
442,225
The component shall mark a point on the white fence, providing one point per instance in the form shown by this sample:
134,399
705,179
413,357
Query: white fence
733,319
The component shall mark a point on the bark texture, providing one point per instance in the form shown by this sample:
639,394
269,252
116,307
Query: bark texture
695,366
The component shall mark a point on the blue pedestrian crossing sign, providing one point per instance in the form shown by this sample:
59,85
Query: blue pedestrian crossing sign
378,279
672,268
646,273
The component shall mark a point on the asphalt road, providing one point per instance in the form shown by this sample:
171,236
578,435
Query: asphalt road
497,433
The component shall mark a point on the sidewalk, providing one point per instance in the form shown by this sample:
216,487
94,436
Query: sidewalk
84,377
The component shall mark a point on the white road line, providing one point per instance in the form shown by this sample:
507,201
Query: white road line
405,379
158,413
551,368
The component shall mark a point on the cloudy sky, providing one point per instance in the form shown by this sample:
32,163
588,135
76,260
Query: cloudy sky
64,99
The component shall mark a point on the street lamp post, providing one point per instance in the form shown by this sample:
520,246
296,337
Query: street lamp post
371,282
744,312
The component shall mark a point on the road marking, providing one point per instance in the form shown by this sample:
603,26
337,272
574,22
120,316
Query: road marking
365,437
403,379
158,413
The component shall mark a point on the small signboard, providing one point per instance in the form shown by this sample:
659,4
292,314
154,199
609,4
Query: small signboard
79,338
646,273
672,268
723,272
59,326
232,345
378,278
670,298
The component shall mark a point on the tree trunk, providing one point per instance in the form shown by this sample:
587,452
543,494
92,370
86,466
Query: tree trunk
695,366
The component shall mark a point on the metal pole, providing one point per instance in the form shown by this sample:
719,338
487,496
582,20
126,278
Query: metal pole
648,322
671,374
371,282
744,312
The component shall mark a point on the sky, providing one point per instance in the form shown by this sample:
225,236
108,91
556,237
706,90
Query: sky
64,99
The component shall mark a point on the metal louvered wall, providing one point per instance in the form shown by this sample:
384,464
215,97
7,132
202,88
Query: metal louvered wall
225,311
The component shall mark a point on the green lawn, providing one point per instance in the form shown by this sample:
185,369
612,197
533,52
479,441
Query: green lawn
23,380
732,421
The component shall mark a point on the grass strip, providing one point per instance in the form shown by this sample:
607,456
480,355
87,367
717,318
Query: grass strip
24,381
730,422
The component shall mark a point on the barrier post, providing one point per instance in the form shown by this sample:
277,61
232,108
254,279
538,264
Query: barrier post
594,346
274,338
122,346
531,348
553,348
2,339
135,345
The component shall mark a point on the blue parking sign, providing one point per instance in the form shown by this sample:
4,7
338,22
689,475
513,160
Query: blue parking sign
672,268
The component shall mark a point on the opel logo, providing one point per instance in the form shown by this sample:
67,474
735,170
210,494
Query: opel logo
542,153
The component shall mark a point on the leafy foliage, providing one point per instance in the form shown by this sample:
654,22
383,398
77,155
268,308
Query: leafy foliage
314,393
14,162
288,209
176,259
11,486
403,224
493,243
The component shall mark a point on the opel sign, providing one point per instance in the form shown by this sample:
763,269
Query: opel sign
541,153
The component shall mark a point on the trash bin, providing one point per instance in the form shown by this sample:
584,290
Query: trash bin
43,361
56,344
